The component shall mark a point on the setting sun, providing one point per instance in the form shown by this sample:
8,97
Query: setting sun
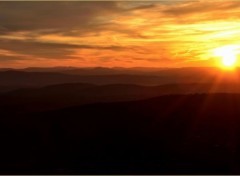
228,55
229,61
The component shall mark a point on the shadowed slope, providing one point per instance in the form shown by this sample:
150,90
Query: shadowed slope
176,134
64,95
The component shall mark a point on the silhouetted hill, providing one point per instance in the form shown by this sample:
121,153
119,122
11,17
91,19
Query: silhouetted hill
88,70
121,70
58,96
64,123
103,76
33,78
21,78
183,71
175,134
46,69
4,89
107,71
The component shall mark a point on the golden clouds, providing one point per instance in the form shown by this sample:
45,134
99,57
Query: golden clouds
128,34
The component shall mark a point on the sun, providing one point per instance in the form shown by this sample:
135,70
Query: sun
229,60
228,55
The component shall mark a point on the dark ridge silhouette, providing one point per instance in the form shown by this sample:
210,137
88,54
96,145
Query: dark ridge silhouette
108,71
64,95
4,89
71,121
102,76
122,70
174,134
20,78
46,69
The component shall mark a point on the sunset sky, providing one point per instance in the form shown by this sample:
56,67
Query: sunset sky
117,34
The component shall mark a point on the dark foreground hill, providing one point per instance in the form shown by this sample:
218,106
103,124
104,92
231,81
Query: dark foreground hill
175,134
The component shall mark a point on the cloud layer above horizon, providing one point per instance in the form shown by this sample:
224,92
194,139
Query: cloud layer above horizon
114,33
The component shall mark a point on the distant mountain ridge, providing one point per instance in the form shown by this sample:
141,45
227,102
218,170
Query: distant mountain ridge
40,77
64,95
103,76
46,78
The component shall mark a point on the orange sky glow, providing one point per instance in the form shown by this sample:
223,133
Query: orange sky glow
117,34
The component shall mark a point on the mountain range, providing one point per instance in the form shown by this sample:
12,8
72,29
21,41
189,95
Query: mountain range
119,121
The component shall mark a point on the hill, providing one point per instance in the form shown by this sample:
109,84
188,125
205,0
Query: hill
101,76
174,134
21,78
64,95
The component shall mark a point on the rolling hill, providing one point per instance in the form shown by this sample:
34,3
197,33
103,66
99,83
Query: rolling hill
64,95
174,134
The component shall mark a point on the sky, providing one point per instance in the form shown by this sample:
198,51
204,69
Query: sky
117,33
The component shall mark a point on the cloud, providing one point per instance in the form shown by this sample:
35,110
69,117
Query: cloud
200,7
4,58
193,12
24,16
116,33
48,50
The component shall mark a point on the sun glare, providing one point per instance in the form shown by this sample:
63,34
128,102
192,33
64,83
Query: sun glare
228,55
